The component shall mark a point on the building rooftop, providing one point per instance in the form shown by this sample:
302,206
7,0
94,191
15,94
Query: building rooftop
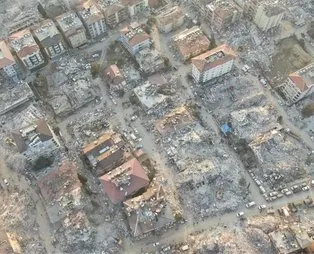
130,2
89,12
6,58
191,40
134,33
124,181
214,57
271,9
170,15
69,23
284,241
303,78
112,9
23,43
113,73
47,33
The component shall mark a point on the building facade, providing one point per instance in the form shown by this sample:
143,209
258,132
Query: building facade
50,39
298,85
170,19
93,19
135,7
26,49
213,64
268,16
7,61
115,14
134,38
72,29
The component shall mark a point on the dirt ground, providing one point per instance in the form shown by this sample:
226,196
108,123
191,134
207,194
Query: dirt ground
289,57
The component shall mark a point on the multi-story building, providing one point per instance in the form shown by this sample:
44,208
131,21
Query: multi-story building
7,61
135,6
114,77
170,19
191,42
268,16
298,84
221,14
93,19
49,37
213,63
134,38
72,29
26,49
115,14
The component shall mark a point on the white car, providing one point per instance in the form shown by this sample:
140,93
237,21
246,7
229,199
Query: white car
6,181
306,188
251,204
262,207
156,244
288,193
284,191
240,214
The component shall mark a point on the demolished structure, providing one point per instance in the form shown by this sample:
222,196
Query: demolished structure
124,181
150,60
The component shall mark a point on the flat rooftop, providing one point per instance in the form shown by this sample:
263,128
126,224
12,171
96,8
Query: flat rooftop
46,29
284,241
90,12
69,22
134,33
170,15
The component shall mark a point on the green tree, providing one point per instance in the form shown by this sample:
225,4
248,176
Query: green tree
95,70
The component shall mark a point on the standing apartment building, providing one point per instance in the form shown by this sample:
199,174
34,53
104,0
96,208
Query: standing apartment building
135,7
170,19
298,84
93,19
72,29
134,38
49,38
26,49
7,61
115,14
268,16
213,64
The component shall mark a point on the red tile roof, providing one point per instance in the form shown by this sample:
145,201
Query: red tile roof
6,57
25,49
201,63
124,181
299,82
138,34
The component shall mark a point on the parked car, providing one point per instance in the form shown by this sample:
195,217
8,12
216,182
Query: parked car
306,188
283,191
240,214
280,195
262,207
296,188
251,204
288,193
274,193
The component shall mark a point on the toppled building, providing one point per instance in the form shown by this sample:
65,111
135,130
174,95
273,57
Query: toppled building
148,212
105,153
124,181
268,15
298,84
222,14
150,60
72,29
26,49
170,19
61,191
284,241
92,18
134,38
35,141
7,61
115,14
114,78
213,63
135,7
49,38
191,42
148,96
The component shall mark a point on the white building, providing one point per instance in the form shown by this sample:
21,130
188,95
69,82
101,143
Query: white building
26,49
7,62
213,63
299,84
49,38
135,7
268,16
170,19
72,28
134,38
93,19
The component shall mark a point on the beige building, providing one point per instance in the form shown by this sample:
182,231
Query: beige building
213,64
7,61
135,7
115,14
268,16
26,49
49,38
191,42
299,84
72,29
93,19
170,19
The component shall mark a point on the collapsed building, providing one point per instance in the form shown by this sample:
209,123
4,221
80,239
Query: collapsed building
149,211
150,61
105,153
191,42
124,181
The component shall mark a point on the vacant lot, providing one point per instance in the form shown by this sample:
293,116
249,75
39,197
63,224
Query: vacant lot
289,57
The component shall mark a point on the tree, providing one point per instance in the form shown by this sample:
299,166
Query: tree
95,70
308,110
